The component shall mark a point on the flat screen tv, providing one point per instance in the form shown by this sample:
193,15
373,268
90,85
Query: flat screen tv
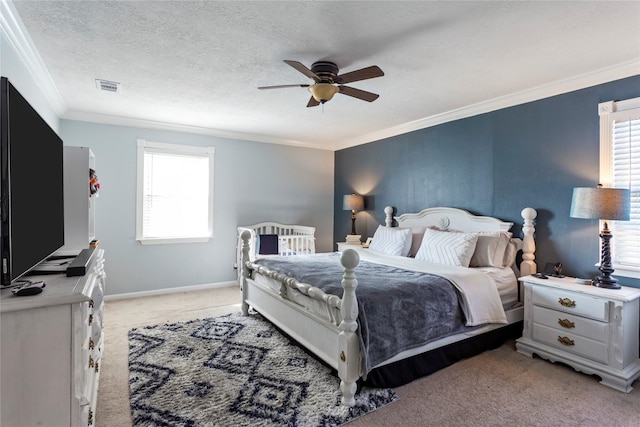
32,202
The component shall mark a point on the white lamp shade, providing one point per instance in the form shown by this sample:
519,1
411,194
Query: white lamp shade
352,202
600,203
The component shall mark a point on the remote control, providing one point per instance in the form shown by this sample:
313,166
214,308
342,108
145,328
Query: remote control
27,289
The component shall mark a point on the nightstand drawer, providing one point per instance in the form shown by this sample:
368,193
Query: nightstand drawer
571,302
568,323
571,343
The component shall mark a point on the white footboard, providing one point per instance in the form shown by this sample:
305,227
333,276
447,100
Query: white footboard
336,342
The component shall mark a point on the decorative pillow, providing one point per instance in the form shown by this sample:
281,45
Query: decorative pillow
391,241
267,244
490,249
444,247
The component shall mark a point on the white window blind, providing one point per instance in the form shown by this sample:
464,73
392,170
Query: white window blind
175,193
620,168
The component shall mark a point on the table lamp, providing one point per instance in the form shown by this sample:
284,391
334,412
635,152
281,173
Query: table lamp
353,203
602,204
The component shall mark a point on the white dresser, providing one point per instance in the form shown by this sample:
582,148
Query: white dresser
51,349
591,329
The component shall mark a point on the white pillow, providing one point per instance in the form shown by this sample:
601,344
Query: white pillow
449,248
391,241
490,249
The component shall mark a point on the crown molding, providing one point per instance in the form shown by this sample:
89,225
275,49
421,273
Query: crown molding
150,124
604,75
15,33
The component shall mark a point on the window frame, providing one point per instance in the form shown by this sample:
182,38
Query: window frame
185,150
608,112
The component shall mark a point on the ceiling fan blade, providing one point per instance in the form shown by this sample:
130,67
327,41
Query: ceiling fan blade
304,70
312,102
357,93
281,86
362,74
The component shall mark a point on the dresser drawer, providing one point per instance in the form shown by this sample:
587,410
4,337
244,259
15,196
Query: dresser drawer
572,324
571,343
571,302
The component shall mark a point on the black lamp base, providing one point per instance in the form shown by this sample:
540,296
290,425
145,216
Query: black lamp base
353,222
606,280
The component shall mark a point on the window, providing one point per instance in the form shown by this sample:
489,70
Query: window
620,168
175,193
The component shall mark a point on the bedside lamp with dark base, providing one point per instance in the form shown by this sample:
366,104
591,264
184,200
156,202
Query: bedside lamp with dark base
353,203
602,204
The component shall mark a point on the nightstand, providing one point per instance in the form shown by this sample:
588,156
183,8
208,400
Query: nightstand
344,245
591,329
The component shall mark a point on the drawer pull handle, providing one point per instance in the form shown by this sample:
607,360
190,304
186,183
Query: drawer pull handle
566,302
91,303
566,341
566,323
91,344
90,418
97,367
92,363
90,319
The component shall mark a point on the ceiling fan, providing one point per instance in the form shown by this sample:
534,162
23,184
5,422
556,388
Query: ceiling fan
328,82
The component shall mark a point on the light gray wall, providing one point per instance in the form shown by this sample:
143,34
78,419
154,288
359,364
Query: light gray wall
253,182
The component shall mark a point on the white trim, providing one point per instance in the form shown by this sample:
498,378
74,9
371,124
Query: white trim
605,111
175,148
165,241
16,34
608,112
209,152
168,291
625,272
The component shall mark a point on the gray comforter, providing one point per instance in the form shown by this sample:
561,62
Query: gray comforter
398,309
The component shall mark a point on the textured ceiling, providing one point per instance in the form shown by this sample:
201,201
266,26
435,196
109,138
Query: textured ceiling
197,65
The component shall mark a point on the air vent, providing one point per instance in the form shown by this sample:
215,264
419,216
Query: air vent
108,86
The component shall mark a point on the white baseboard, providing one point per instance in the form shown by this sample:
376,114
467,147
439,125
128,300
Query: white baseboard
167,291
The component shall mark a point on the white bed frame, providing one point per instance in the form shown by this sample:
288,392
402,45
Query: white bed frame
336,342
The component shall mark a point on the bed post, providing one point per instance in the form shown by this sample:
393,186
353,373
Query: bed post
528,265
244,270
388,216
348,342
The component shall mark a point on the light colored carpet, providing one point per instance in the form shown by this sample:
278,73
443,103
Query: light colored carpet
496,388
234,370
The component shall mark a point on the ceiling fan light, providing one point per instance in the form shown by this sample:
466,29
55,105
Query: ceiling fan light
323,92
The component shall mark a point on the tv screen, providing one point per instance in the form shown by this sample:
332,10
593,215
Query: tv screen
32,199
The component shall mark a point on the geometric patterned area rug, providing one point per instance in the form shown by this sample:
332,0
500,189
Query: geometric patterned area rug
234,371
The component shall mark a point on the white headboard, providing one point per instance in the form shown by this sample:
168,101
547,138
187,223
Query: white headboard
457,219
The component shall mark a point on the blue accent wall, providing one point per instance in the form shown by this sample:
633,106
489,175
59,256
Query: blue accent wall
492,164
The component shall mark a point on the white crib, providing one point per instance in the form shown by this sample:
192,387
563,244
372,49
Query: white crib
292,239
